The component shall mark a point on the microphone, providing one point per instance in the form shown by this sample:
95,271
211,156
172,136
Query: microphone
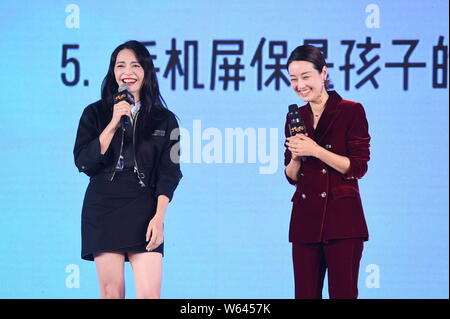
296,124
124,94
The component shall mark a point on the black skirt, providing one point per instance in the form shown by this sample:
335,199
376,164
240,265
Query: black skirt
116,215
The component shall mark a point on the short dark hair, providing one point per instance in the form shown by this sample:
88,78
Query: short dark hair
311,54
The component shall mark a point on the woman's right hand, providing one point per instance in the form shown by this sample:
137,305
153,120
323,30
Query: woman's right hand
292,144
120,109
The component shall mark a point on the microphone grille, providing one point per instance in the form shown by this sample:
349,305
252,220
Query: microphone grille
293,108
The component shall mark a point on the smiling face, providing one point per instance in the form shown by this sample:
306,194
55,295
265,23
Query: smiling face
306,81
128,71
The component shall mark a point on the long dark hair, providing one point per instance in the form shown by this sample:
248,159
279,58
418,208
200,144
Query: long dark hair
311,54
151,99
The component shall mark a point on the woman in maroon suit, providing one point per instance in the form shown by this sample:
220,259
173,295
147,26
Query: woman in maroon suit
327,227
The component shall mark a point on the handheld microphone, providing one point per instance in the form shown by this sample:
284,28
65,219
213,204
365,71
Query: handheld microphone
124,94
296,124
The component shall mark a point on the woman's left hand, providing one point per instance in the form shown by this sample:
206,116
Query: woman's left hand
155,234
304,146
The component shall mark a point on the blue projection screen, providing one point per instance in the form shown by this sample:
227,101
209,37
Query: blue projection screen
221,68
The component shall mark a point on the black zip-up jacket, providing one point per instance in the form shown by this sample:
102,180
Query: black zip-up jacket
156,153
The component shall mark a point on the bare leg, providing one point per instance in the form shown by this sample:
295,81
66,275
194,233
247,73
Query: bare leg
110,266
147,269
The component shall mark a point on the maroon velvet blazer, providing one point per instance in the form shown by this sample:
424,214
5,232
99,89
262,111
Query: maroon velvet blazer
326,203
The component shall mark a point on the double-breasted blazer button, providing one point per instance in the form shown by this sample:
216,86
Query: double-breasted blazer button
323,171
327,146
83,167
303,196
323,195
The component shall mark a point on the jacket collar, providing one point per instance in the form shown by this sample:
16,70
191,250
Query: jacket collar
329,115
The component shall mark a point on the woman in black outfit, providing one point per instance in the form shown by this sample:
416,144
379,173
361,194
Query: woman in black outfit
134,170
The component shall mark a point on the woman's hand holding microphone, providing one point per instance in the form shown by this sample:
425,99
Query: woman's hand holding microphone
120,109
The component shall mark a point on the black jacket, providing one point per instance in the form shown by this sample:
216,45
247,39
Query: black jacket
153,147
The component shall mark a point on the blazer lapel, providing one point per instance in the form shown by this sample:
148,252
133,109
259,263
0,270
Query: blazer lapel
329,115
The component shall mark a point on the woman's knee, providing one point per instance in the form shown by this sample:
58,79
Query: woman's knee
112,291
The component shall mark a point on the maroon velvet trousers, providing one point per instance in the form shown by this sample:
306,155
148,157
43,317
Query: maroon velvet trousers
340,258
